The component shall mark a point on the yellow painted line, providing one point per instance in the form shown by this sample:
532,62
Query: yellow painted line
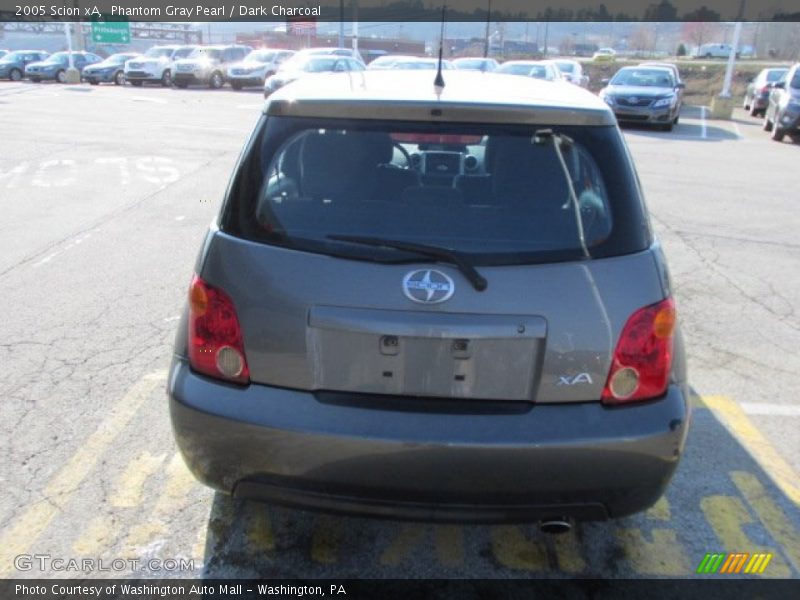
759,447
128,491
96,538
664,555
660,511
568,553
174,497
220,524
409,537
516,551
450,545
260,536
728,516
770,514
324,540
30,525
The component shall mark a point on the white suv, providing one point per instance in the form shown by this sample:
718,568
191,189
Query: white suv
256,67
155,65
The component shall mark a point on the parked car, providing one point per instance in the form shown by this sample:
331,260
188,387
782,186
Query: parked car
110,70
676,75
756,96
476,64
646,95
572,71
484,333
386,61
302,65
207,65
605,55
782,114
155,65
3,53
539,69
714,51
55,66
12,65
256,67
421,64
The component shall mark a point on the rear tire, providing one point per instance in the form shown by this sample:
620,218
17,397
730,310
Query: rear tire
767,126
754,112
777,133
61,76
119,78
15,75
745,103
216,80
166,78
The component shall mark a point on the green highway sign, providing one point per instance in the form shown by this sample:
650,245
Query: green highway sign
111,32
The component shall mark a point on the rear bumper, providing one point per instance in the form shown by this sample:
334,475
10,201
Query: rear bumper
190,78
446,461
645,115
246,81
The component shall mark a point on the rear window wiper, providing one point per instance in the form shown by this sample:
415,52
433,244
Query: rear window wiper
437,252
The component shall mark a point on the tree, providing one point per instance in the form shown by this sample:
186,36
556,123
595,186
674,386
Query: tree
681,50
663,11
700,32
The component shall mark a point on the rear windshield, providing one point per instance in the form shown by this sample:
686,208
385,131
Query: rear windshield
498,194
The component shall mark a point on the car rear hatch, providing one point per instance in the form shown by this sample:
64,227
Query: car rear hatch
319,311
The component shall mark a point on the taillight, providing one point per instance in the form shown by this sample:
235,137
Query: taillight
643,356
215,338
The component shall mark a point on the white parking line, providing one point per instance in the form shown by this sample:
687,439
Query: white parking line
774,410
50,257
148,99
703,128
736,131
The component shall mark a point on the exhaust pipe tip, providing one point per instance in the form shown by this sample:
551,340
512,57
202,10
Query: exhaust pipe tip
555,526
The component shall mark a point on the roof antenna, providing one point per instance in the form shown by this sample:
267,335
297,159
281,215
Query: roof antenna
438,83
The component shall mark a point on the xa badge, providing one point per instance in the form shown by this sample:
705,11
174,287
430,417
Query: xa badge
428,286
574,379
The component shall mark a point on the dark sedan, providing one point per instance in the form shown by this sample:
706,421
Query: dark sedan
782,115
646,95
111,70
12,65
756,96
56,65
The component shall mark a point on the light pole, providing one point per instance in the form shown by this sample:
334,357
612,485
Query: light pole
486,35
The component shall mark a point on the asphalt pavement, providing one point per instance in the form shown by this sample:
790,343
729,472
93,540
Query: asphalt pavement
106,193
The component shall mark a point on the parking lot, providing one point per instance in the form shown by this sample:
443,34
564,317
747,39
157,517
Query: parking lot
106,193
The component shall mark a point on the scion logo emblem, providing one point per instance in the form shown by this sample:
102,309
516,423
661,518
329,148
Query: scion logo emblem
633,100
428,286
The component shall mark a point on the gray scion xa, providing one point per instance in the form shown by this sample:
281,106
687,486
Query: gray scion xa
433,303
